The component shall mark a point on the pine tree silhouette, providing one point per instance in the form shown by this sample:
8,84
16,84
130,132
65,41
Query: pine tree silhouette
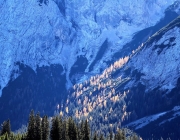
38,129
55,130
6,127
95,136
31,127
45,128
86,131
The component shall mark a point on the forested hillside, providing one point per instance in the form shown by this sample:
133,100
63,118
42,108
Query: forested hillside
60,128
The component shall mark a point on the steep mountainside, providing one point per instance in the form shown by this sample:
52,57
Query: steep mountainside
48,46
61,32
139,85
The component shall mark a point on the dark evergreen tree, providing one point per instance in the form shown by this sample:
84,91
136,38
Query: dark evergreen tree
95,136
123,135
111,135
61,128
38,129
69,128
120,135
101,137
134,137
55,129
6,127
6,136
45,128
81,131
31,127
72,129
64,134
24,137
86,131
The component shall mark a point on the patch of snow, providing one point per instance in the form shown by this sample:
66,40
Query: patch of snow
176,108
145,121
175,113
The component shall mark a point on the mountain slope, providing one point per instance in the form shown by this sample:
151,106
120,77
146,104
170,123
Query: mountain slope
162,54
163,124
141,84
58,32
45,47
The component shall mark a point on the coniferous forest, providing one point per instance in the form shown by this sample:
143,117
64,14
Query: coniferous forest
59,128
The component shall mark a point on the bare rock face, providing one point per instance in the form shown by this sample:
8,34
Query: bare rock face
159,61
57,32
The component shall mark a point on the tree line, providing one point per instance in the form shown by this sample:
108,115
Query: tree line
58,128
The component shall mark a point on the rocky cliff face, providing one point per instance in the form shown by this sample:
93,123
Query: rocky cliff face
61,32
